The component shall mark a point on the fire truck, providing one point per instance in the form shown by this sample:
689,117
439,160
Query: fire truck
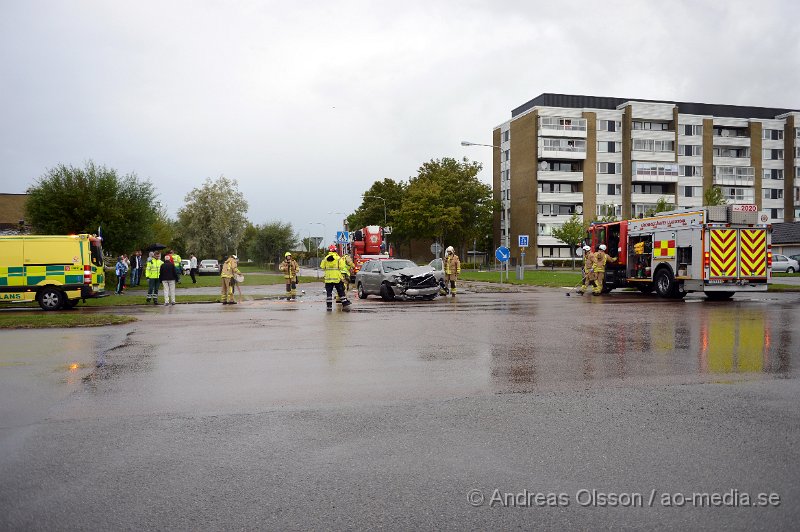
369,243
715,250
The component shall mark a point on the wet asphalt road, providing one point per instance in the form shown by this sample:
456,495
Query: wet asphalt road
278,415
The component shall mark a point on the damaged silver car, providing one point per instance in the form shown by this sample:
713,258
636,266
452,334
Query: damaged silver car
396,278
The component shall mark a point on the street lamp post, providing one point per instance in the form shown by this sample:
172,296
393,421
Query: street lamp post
506,236
323,240
385,241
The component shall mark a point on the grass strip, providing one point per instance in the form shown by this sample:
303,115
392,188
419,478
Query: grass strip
45,320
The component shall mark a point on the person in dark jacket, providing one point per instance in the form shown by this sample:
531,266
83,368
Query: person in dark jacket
167,277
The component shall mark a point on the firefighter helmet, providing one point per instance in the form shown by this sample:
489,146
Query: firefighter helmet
603,247
287,254
587,248
332,247
449,249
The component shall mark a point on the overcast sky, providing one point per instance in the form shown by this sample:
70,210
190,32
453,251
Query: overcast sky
306,104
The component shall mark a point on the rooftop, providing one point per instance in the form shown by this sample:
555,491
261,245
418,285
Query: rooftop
575,101
786,233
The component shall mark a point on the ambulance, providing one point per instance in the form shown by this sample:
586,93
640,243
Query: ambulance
719,251
55,271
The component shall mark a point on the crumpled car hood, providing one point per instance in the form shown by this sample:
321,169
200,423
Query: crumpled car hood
414,271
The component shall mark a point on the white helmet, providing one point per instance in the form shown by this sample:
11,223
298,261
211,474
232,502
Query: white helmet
449,249
587,248
603,247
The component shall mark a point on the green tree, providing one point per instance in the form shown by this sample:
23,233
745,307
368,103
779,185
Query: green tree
713,196
68,200
458,207
572,233
662,205
270,241
212,222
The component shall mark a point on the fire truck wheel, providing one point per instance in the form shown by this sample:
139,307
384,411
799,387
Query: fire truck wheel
719,296
386,292
51,298
665,283
361,293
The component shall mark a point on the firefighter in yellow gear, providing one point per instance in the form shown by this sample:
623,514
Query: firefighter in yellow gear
346,273
600,260
588,269
152,272
452,269
229,269
334,267
289,267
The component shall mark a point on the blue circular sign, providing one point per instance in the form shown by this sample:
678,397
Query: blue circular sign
502,253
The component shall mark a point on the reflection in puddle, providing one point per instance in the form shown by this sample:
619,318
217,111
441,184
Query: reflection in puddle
661,341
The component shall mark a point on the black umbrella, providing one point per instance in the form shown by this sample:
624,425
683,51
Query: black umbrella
155,247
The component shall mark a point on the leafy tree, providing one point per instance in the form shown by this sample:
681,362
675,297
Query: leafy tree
270,241
447,201
714,196
212,222
371,212
69,200
572,233
662,205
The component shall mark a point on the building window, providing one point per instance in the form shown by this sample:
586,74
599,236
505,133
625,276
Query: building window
506,135
563,144
546,229
773,155
653,145
638,188
556,209
747,172
655,169
609,147
776,214
774,173
772,134
609,189
690,150
555,188
640,209
692,131
654,126
506,155
690,171
609,168
732,152
609,125
773,193
739,194
693,192
558,166
720,131
609,210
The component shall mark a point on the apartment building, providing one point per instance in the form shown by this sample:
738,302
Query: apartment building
562,154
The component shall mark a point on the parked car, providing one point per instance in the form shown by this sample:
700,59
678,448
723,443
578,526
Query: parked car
782,263
396,278
795,257
208,267
185,266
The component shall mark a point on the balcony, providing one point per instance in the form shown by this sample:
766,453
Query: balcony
734,181
559,197
550,175
562,149
652,198
552,126
731,161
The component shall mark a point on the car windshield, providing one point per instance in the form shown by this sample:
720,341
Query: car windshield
209,263
392,265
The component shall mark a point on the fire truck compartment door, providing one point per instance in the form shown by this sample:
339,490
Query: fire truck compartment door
723,253
753,253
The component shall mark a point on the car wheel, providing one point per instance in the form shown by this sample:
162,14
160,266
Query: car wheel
719,296
361,293
51,299
386,293
665,283
789,270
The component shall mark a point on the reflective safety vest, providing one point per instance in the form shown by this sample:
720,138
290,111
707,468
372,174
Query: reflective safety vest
153,269
333,266
176,260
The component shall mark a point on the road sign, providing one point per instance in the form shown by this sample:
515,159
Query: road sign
523,241
436,248
343,237
502,253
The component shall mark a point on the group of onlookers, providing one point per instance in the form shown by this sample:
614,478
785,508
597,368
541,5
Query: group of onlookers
167,272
